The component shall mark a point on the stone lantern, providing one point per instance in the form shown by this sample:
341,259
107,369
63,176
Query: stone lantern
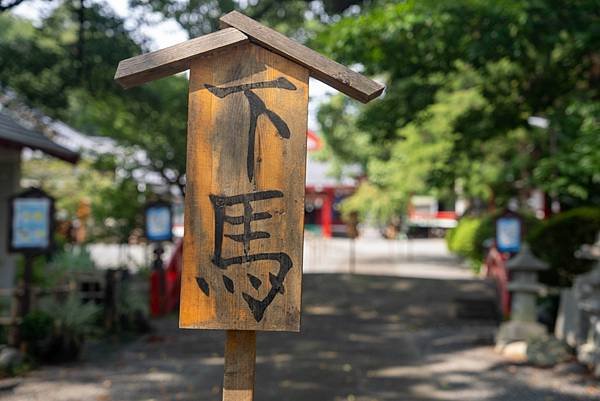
524,287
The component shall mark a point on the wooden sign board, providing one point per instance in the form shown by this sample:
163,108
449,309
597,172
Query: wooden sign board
246,162
246,154
31,222
242,251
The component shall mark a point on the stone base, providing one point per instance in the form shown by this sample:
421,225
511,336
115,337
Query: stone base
515,351
547,351
589,354
518,331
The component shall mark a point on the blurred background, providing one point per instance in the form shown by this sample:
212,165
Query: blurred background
451,225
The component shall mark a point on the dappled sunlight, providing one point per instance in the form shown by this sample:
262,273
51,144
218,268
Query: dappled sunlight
391,372
212,361
277,359
164,377
363,337
321,310
297,385
70,390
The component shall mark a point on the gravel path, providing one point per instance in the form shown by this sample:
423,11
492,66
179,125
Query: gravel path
364,338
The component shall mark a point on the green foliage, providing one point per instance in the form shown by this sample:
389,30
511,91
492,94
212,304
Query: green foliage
557,239
66,263
554,240
66,68
462,79
468,238
461,239
118,212
133,309
72,317
155,121
115,199
573,170
199,17
36,327
45,64
56,333
57,269
369,201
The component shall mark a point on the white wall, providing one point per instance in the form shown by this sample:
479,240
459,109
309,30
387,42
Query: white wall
107,256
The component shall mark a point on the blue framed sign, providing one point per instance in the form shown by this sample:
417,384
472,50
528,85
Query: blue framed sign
508,234
159,221
31,222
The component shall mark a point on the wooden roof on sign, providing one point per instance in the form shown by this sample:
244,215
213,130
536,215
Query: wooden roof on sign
325,70
238,29
171,60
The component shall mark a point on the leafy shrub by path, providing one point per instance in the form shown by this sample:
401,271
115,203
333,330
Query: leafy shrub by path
35,330
51,271
460,239
554,240
468,237
56,333
557,240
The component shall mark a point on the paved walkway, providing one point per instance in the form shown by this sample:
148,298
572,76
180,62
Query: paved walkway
424,258
364,338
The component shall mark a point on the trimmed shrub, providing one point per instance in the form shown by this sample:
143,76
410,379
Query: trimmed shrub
35,330
557,240
460,239
468,237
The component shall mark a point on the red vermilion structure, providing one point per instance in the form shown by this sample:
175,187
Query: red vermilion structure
164,291
495,262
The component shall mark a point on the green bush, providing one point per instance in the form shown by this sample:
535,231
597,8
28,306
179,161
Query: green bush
461,241
64,264
468,237
36,326
56,333
49,272
36,330
557,240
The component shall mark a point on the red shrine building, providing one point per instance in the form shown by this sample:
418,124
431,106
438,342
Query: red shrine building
324,193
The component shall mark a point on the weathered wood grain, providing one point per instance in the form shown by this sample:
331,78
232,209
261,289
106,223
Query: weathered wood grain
218,136
328,71
240,363
148,67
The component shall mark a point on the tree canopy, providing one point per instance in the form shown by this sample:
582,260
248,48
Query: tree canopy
463,78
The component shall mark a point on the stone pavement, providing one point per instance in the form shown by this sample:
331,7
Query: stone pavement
425,258
364,338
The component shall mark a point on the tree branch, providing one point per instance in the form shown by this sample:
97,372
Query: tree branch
8,5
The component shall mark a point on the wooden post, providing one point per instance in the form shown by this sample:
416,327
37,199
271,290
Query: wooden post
27,277
240,361
352,255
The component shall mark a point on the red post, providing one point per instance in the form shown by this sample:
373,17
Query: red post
327,214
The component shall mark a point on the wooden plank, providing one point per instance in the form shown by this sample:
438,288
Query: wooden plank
240,364
171,60
328,71
259,183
